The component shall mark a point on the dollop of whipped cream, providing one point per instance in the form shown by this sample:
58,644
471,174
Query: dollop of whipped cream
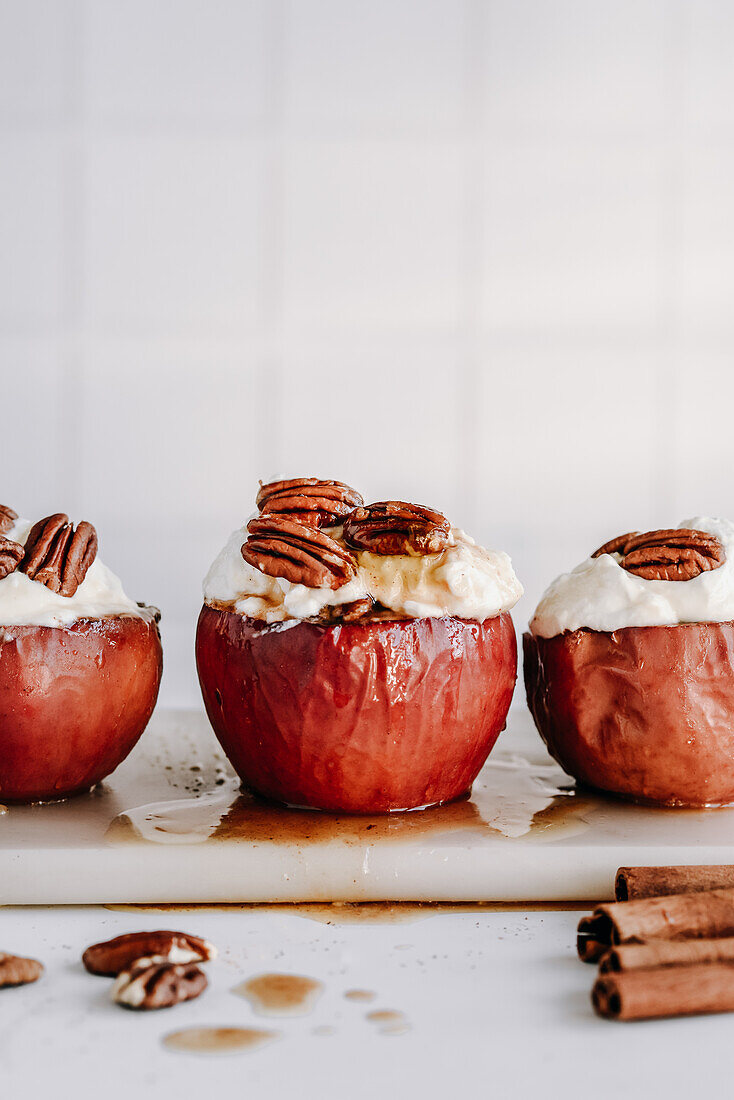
600,595
465,581
24,602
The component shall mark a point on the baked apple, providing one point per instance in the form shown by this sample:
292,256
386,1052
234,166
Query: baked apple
355,659
80,663
629,666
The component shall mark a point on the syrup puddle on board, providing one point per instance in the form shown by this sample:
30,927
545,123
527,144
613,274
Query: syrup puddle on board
370,912
361,995
280,994
389,1021
513,797
218,1040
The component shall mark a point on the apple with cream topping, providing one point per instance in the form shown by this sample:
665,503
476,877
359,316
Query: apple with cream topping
355,658
629,666
80,663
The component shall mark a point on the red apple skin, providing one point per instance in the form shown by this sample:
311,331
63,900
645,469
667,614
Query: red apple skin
644,712
73,702
359,717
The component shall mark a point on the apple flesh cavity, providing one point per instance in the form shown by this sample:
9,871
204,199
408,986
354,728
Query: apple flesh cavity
645,712
361,717
73,702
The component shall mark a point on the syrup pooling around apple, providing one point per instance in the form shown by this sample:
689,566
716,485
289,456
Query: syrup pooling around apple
336,558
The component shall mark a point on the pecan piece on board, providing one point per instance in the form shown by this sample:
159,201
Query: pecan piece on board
15,970
396,527
57,555
112,956
11,553
8,518
300,553
309,500
669,554
150,983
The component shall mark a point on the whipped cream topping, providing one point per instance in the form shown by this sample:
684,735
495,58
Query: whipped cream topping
465,580
24,602
600,595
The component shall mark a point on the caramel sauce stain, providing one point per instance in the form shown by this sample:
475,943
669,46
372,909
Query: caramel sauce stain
513,797
281,994
362,995
218,1040
371,912
390,1022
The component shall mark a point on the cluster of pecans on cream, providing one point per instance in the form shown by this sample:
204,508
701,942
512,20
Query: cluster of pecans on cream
152,969
55,554
287,539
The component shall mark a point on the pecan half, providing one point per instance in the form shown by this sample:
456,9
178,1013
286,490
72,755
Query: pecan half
15,970
8,518
109,958
670,554
10,554
314,502
395,527
57,555
300,553
150,984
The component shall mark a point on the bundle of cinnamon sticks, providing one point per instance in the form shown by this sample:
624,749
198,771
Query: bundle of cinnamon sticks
665,947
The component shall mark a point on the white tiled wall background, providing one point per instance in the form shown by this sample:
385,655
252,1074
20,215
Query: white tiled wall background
478,253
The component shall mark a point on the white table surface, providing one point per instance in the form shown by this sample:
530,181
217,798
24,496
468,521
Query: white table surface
497,1002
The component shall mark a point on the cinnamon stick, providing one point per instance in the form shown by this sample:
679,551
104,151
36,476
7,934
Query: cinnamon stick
648,882
706,915
668,991
658,953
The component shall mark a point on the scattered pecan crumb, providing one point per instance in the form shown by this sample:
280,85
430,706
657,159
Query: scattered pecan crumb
15,970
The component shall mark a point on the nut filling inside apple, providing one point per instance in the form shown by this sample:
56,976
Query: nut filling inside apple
354,658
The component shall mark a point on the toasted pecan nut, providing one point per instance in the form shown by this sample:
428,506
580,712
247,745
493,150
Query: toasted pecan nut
150,984
15,970
57,555
300,553
112,956
669,554
8,518
396,527
313,502
11,553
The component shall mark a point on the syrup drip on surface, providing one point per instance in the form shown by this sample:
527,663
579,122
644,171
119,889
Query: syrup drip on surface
513,797
389,1021
218,1040
280,994
361,995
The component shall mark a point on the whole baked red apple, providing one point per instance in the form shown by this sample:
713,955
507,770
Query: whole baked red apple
73,702
360,717
644,712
